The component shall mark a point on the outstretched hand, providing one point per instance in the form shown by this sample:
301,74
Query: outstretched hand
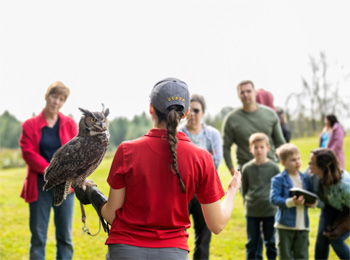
235,182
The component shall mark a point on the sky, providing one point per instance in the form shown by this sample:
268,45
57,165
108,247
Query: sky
113,52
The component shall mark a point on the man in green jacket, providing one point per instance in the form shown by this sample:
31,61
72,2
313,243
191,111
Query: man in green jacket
241,123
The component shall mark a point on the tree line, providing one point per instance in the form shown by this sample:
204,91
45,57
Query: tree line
304,110
122,128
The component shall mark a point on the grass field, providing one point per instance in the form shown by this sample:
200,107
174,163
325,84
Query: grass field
14,215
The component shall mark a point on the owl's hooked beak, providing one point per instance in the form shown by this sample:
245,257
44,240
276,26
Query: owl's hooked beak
102,126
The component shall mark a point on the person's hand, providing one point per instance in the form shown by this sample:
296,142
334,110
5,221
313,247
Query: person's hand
92,195
298,200
311,205
232,171
340,225
235,182
82,194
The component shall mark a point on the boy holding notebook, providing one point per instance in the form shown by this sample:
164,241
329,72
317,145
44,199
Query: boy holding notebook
291,220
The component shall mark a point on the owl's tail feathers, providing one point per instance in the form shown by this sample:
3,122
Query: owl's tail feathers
61,192
48,186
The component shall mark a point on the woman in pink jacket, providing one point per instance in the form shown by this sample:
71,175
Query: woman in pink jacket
41,136
332,137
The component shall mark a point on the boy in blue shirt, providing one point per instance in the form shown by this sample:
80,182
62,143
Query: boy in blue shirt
256,180
291,220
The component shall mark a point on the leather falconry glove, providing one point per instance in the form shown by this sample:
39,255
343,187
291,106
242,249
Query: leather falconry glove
92,195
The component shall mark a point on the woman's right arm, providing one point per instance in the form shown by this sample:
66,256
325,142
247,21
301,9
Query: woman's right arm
217,214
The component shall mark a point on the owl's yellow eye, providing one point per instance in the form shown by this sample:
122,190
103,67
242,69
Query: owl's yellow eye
93,120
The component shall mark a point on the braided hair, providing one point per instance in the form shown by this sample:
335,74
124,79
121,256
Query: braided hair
172,120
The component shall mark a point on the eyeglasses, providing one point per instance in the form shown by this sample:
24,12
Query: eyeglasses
195,110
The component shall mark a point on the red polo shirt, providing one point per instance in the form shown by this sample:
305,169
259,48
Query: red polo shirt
155,211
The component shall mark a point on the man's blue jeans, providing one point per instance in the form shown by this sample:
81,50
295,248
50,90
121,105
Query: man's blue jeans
328,215
254,236
39,220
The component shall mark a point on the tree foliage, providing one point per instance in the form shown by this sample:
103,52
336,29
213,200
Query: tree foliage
216,121
10,129
120,129
319,96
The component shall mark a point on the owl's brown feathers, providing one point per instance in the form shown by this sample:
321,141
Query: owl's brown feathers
77,159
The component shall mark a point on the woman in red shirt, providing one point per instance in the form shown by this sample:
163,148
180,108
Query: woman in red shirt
153,178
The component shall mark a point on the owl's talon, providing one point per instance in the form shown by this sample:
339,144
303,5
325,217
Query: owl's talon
89,183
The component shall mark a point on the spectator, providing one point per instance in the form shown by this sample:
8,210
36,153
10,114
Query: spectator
264,97
256,181
332,137
291,220
241,123
41,136
283,120
208,138
333,189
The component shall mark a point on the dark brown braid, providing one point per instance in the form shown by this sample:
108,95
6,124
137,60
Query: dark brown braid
172,120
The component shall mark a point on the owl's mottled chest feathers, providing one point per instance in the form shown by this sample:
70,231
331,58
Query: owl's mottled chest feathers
93,139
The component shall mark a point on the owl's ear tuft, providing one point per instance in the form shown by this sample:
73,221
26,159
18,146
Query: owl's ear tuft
86,112
107,112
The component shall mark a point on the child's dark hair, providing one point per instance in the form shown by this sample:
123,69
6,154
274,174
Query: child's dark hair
172,120
327,161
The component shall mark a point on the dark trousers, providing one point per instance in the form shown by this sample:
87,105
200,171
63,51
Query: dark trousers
254,245
202,235
328,215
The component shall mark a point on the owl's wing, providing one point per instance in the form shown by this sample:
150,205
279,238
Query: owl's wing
78,157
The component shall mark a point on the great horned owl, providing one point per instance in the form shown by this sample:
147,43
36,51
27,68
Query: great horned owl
76,160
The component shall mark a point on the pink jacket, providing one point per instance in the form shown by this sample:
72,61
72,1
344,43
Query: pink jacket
29,143
335,142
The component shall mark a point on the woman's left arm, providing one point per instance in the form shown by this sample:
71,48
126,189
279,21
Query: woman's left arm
115,201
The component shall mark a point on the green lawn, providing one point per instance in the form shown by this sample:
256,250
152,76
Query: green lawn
14,214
